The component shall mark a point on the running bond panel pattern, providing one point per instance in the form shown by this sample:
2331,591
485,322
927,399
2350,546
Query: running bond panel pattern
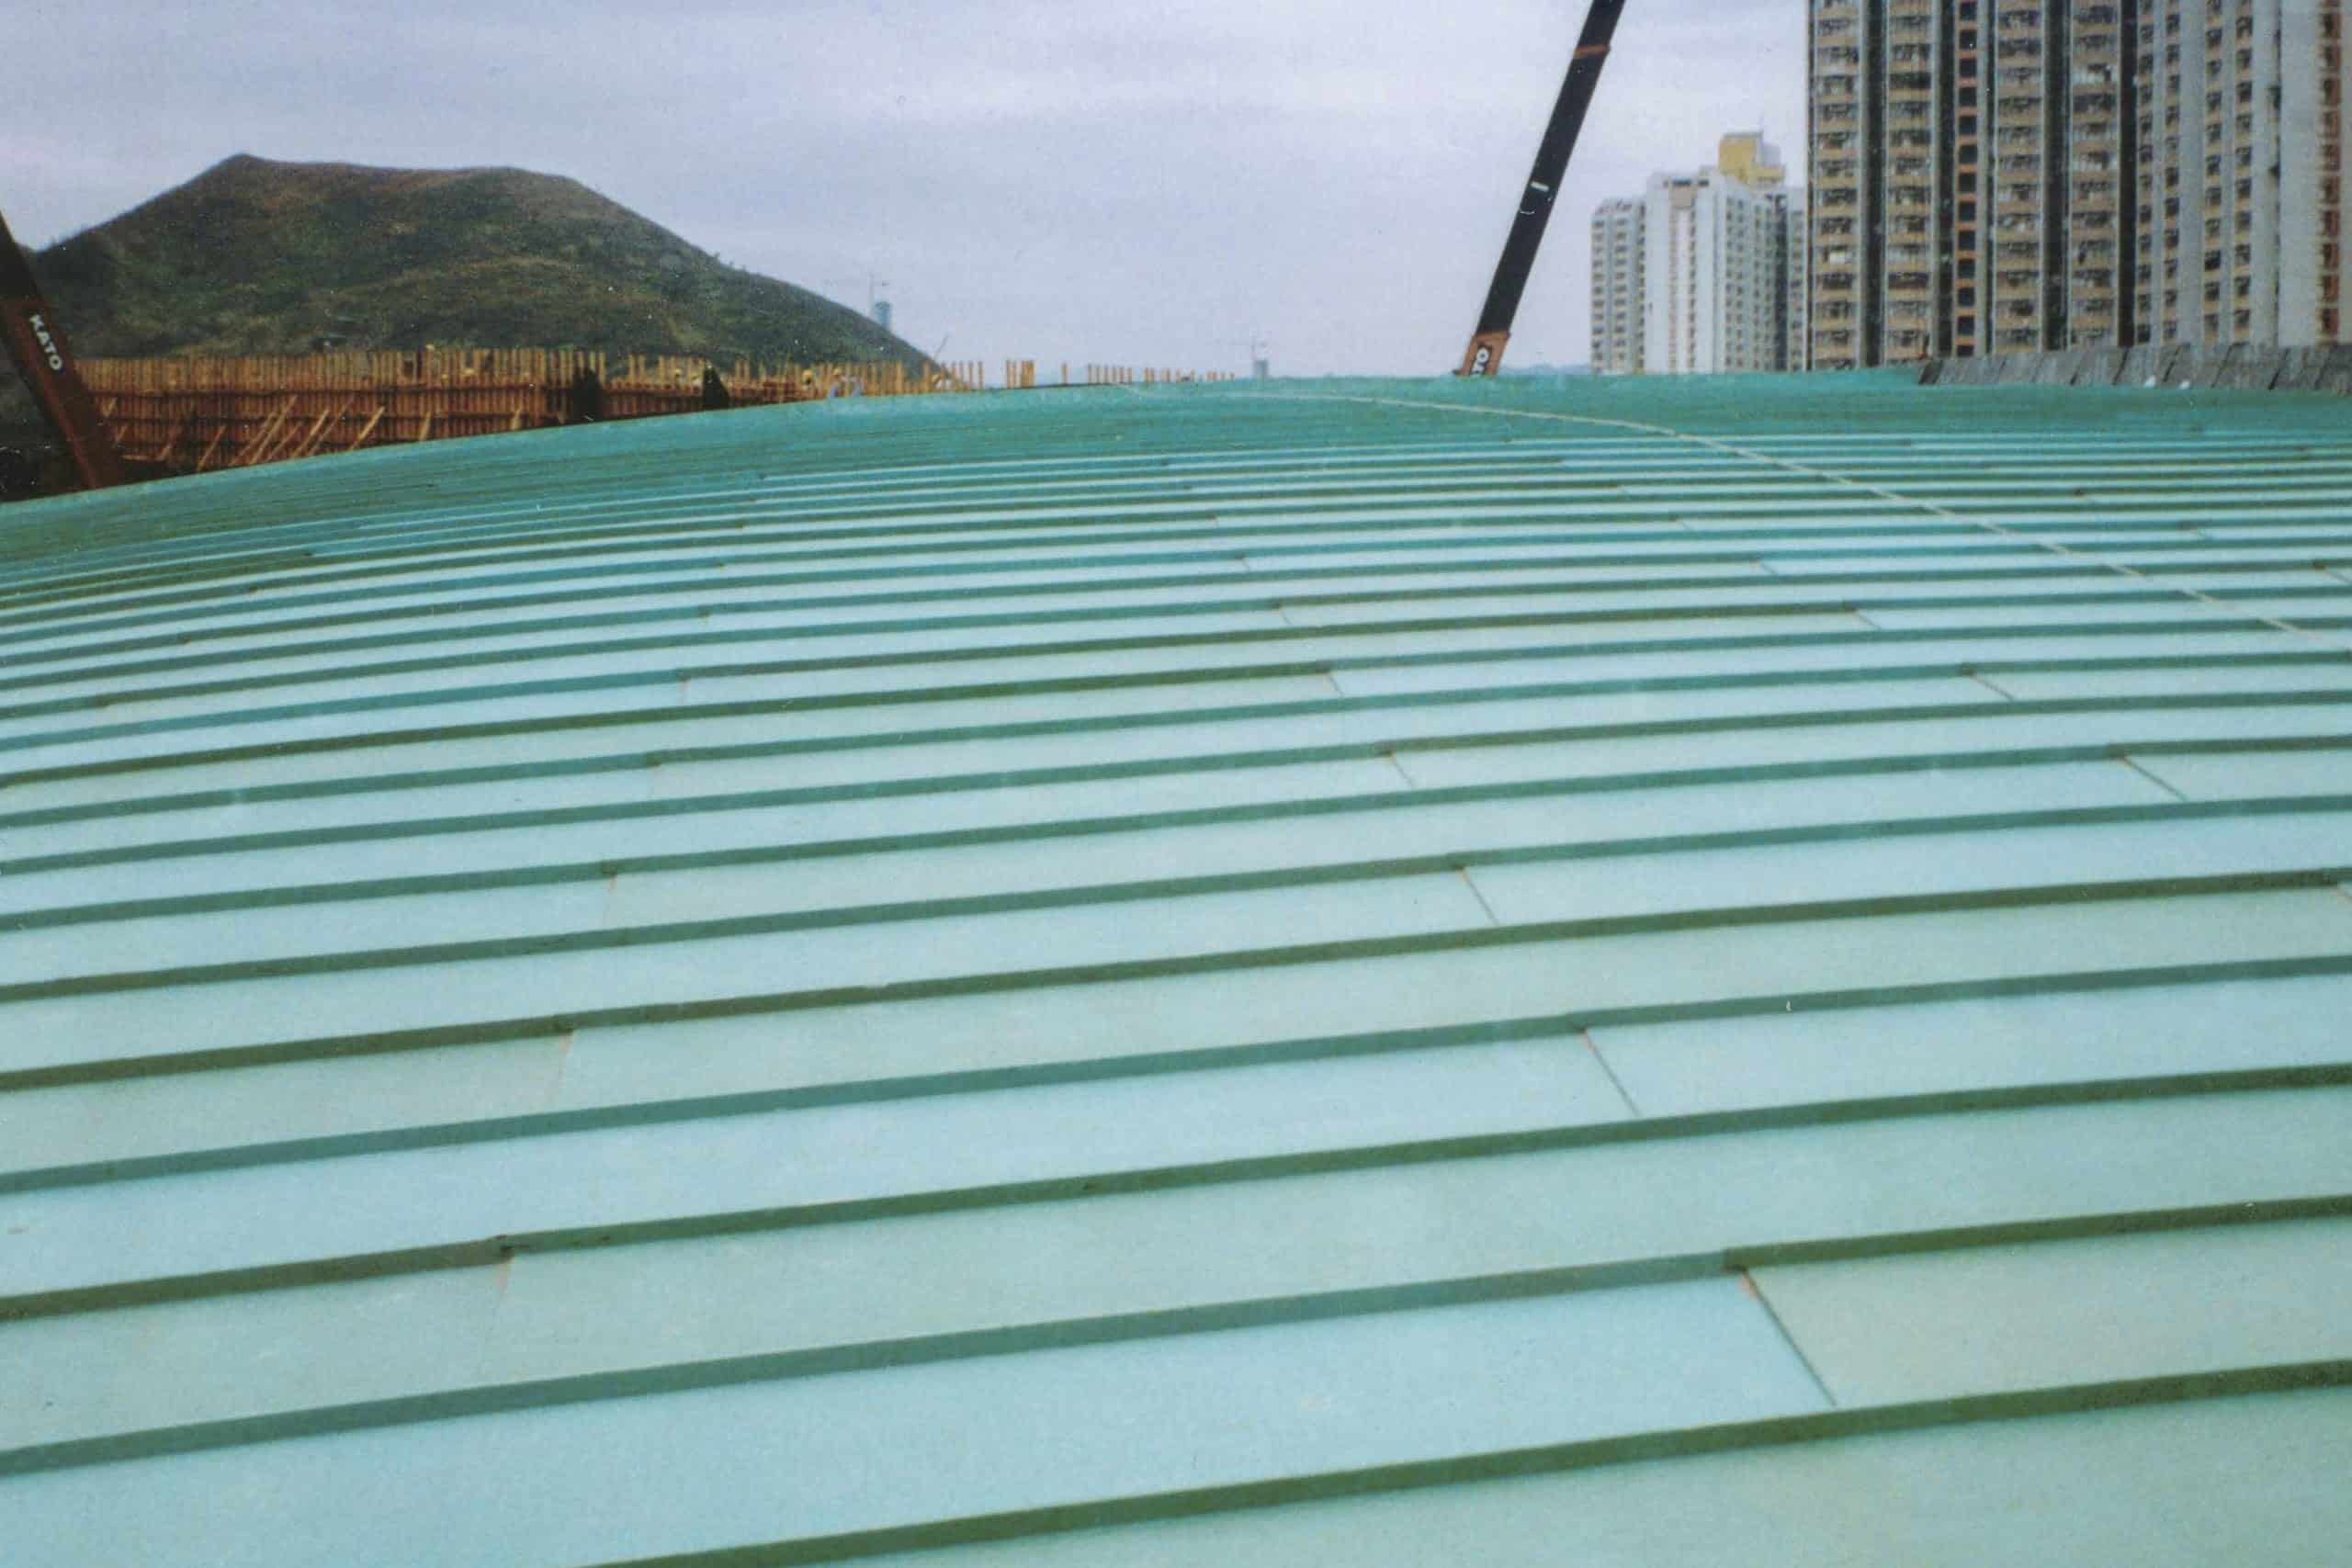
1298,972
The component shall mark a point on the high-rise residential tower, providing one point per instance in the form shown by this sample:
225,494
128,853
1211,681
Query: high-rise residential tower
1842,131
1617,259
2239,217
1714,296
1797,258
1898,112
1994,176
2100,145
1968,161
1695,276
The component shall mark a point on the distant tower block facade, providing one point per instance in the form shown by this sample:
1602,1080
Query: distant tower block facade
1796,257
1881,127
2240,107
1716,295
1695,276
2100,147
1617,255
1755,163
1997,176
1747,157
2044,151
1940,139
882,314
1841,130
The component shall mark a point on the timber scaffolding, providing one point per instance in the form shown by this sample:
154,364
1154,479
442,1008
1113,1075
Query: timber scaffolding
187,414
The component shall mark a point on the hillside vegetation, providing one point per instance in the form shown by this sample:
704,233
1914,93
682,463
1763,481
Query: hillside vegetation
259,257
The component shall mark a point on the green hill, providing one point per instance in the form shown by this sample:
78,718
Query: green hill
257,257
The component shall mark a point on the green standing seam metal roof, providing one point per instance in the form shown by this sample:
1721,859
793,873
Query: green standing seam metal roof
1360,973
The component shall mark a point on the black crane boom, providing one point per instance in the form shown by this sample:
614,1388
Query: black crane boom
1485,355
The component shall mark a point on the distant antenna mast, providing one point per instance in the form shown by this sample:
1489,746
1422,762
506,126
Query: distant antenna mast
877,306
1485,354
38,346
1261,367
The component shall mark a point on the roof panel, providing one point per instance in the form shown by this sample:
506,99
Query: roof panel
2172,1487
1240,973
2002,1318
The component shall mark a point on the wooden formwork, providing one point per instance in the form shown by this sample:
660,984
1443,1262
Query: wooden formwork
191,413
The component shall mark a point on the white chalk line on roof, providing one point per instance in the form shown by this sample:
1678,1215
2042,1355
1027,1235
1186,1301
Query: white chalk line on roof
1807,469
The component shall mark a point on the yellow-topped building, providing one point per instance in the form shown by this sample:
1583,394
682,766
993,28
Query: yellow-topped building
1704,272
1755,163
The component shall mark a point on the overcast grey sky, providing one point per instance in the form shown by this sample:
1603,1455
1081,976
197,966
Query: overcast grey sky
1120,180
